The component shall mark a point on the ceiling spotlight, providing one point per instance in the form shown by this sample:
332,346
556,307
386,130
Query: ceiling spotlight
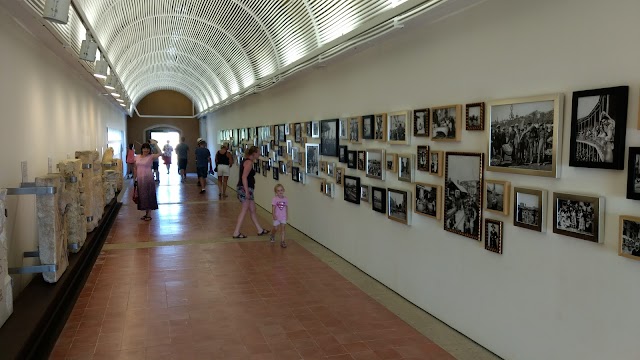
120,100
88,49
110,83
57,11
116,92
100,70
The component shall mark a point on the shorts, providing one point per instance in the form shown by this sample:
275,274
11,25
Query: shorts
155,165
202,172
242,196
278,222
166,159
182,164
223,170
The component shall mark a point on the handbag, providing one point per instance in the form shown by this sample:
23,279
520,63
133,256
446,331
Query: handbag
135,193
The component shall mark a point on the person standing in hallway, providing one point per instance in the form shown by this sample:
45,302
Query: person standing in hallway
155,150
167,151
131,161
203,158
143,179
224,162
280,213
182,150
245,187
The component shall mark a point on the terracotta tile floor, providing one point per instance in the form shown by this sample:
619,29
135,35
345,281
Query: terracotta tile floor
178,287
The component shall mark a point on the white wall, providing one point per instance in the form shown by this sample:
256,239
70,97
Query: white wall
47,110
548,296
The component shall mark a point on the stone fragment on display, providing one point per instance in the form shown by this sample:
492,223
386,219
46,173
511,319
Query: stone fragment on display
110,184
6,293
86,186
52,239
75,221
98,191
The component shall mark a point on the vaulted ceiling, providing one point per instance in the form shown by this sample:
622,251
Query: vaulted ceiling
216,51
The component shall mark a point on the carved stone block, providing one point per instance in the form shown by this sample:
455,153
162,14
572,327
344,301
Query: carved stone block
86,186
119,171
98,192
75,221
110,184
52,239
6,295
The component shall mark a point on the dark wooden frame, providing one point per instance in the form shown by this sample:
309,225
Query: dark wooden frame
480,120
328,149
633,174
500,226
427,117
383,208
357,179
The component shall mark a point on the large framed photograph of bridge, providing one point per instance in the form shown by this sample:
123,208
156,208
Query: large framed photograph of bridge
525,135
463,194
599,128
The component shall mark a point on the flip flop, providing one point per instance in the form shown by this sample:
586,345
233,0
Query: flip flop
240,236
264,232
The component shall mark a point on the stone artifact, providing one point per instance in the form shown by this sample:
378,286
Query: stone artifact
52,239
110,185
75,221
6,295
86,186
107,157
120,180
98,192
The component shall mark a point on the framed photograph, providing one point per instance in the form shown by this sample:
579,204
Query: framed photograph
339,174
633,174
629,237
287,129
391,162
329,137
265,167
497,196
374,165
295,173
380,128
397,128
295,155
361,159
330,189
289,147
282,136
323,166
351,189
422,158
493,235
352,159
282,150
298,132
599,128
275,171
315,129
428,200
283,167
463,194
435,162
446,123
323,186
579,216
342,153
405,167
364,193
304,141
355,129
529,208
421,122
379,199
475,116
525,135
331,169
368,126
256,166
343,129
312,164
308,128
398,208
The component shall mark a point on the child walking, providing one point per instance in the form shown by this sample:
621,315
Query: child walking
280,211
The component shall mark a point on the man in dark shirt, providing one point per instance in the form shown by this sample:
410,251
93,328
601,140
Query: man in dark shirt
182,150
203,157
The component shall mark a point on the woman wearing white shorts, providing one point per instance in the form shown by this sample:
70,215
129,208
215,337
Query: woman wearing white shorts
224,161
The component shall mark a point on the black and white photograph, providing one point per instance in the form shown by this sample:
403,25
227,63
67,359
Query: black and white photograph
367,126
287,129
397,128
578,216
475,116
323,166
308,128
331,168
380,127
343,129
329,137
342,153
282,136
323,185
312,159
315,129
463,194
295,155
633,174
529,208
398,205
435,163
265,167
379,199
355,129
283,167
428,200
405,167
493,235
524,134
330,189
422,158
421,122
599,128
351,189
497,196
298,132
364,193
362,159
391,162
295,173
352,159
446,123
339,175
375,166
256,166
629,237
289,147
275,171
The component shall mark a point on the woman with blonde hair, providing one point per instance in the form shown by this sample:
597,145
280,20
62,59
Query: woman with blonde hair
245,188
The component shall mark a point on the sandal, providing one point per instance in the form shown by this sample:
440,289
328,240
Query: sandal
283,244
145,218
263,232
240,236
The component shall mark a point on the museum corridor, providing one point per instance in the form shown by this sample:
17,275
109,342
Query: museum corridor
179,287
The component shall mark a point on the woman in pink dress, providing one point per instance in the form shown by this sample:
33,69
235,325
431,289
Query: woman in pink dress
143,178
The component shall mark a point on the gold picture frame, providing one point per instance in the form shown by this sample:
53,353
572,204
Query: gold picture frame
493,238
428,200
629,237
391,162
435,169
398,127
443,127
474,117
380,127
354,129
496,195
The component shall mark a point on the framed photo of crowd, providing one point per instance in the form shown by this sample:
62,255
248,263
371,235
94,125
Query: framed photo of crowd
446,123
629,241
579,216
375,163
428,200
463,194
633,174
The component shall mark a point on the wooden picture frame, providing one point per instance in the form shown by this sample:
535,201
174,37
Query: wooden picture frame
422,158
629,237
463,194
398,126
330,189
323,166
362,155
364,193
329,141
331,169
406,170
368,126
380,127
493,235
339,173
435,162
355,129
579,216
351,189
374,163
474,116
391,162
379,199
428,200
497,196
633,174
530,115
421,122
599,128
530,208
446,123
399,205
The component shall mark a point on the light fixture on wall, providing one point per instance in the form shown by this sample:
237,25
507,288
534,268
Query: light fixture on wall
57,11
88,49
116,92
100,70
110,83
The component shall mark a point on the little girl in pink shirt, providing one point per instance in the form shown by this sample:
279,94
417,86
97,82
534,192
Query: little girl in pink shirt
280,211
